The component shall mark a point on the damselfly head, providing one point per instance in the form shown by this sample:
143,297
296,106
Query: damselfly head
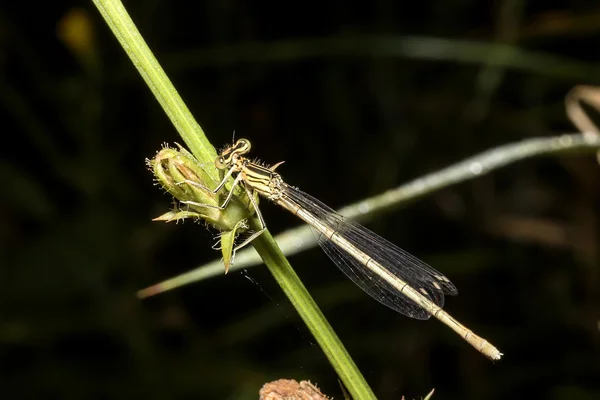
230,155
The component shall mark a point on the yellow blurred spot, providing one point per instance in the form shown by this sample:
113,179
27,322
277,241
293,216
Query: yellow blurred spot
75,30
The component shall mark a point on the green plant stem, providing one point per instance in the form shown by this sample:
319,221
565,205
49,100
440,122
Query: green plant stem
117,18
312,317
124,29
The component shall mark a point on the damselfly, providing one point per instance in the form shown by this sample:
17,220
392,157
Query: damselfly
384,271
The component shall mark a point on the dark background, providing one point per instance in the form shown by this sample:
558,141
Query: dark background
521,244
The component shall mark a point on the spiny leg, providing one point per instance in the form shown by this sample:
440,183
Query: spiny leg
201,186
250,193
263,226
236,181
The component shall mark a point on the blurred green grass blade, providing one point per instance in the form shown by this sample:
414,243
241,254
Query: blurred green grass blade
388,46
24,194
299,239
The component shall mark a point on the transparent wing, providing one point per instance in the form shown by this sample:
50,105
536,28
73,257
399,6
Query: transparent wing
409,269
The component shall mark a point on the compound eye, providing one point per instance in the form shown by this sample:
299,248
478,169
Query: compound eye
220,163
243,146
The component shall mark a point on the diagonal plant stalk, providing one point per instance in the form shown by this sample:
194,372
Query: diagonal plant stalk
124,29
117,18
